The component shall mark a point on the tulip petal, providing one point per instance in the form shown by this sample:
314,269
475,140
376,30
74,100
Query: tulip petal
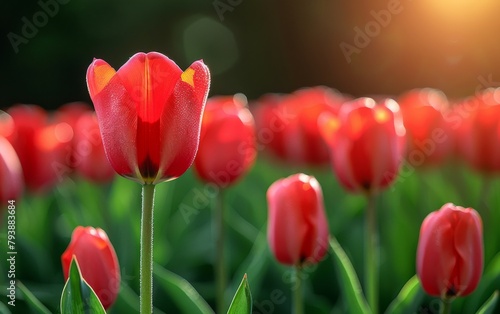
469,248
179,120
117,116
149,79
102,73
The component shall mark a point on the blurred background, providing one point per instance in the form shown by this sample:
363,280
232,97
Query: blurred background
253,47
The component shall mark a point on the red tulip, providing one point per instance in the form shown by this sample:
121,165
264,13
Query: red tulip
149,113
90,158
228,129
367,143
288,125
70,113
450,251
429,135
97,261
479,140
297,228
11,175
40,145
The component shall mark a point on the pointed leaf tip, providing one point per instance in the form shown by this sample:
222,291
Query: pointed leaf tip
242,300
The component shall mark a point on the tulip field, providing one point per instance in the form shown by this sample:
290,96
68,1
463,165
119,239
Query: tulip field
159,197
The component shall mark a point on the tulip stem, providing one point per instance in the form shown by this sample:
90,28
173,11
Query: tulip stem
483,197
371,254
298,303
446,308
220,273
146,263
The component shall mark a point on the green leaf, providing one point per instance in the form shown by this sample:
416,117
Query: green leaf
4,309
77,296
349,282
30,298
408,299
242,301
181,291
489,306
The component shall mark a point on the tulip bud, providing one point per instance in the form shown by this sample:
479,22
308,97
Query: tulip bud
228,129
40,145
97,260
367,142
297,228
450,251
428,133
480,132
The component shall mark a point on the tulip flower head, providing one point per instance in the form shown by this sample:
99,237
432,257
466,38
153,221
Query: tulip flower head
428,133
450,252
97,260
480,132
297,228
40,144
288,124
70,113
227,143
367,143
149,113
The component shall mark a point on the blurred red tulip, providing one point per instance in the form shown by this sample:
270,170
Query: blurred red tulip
11,175
287,124
367,143
97,261
227,142
297,228
40,145
428,134
90,159
450,251
149,113
70,113
479,141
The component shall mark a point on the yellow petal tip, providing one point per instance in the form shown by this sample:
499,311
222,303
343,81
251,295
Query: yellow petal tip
187,76
102,75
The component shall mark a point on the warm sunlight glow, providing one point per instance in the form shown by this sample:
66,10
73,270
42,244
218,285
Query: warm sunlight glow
455,10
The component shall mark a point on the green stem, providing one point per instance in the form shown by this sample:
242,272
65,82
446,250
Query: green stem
146,285
446,308
371,254
489,217
220,273
483,196
298,303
